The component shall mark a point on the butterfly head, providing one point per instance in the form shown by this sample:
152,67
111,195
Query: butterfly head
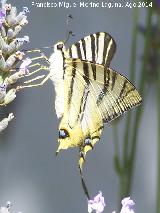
59,46
69,137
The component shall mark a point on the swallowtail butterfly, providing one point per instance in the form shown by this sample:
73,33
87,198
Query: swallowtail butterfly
88,92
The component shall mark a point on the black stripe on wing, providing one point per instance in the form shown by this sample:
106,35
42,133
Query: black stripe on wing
98,48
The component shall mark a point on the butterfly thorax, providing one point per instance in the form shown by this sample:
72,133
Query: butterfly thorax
56,60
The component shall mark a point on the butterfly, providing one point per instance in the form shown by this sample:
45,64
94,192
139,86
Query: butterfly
88,92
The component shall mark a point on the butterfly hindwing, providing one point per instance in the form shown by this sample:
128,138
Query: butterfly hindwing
112,93
97,48
95,95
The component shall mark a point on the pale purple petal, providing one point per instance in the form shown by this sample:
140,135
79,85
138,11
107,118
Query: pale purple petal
9,204
99,198
2,14
127,204
3,125
10,33
2,17
97,203
24,65
3,210
25,10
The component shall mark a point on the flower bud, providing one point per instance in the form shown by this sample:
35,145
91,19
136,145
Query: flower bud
10,61
10,96
3,31
3,126
3,87
10,33
11,21
25,10
13,12
24,21
20,17
17,30
5,48
2,61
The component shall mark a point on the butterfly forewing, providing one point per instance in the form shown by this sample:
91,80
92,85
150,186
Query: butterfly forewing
97,48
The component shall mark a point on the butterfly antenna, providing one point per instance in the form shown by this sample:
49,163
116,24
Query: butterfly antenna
68,32
84,185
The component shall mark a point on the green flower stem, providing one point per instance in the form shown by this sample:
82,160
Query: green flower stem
115,139
126,176
158,130
122,175
139,109
132,79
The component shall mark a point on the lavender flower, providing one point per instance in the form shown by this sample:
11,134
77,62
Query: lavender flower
11,24
127,204
96,204
7,208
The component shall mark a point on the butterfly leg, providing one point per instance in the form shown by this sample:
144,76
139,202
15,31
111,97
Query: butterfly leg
36,78
39,67
42,55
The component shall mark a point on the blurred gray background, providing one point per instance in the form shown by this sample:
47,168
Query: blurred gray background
31,177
